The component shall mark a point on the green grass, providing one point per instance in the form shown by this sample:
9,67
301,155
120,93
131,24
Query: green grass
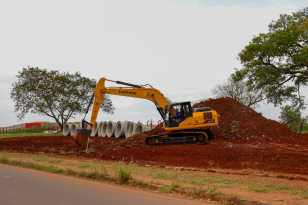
169,188
210,183
50,168
124,176
29,134
103,176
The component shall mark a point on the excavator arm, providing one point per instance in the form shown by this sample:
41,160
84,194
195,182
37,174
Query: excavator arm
135,91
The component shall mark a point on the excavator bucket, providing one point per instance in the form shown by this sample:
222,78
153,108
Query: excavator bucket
81,138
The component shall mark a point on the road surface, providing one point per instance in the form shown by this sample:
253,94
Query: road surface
31,187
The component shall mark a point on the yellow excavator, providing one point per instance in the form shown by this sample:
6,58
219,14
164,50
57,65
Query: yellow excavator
183,121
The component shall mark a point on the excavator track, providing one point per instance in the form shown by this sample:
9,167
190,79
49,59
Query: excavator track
182,137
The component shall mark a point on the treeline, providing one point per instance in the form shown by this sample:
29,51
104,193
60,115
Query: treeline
33,129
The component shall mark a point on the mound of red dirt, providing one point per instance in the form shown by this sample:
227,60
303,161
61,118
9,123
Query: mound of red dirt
238,121
137,140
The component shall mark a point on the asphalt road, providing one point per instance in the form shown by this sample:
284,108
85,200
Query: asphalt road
22,186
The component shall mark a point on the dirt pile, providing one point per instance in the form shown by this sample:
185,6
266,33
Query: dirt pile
239,122
236,121
137,140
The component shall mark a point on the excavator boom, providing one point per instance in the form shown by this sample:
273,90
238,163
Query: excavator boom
135,91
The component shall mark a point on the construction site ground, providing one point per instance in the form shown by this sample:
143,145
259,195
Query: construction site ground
282,163
244,145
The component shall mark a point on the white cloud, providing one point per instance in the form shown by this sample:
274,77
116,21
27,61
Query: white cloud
215,81
190,88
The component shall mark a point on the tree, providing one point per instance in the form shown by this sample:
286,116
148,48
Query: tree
277,61
54,94
239,91
288,113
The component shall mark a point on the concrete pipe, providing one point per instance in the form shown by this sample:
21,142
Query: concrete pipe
73,129
94,130
120,129
131,129
126,129
110,128
99,129
67,129
87,126
77,126
146,128
104,129
140,128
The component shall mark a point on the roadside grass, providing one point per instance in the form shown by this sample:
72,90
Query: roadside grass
28,134
124,176
119,172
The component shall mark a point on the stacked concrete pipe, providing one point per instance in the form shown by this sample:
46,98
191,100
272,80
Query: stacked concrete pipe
94,130
110,128
140,128
99,129
73,129
67,129
131,129
78,126
104,129
146,128
126,129
120,129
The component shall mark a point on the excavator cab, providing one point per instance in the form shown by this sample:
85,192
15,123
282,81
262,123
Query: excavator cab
177,113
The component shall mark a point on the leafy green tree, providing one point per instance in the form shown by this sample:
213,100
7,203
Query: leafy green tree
50,127
239,91
278,60
54,94
35,129
288,113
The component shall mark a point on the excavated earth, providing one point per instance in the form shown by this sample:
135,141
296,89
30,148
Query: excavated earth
243,140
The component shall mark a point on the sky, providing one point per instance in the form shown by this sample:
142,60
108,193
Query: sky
181,47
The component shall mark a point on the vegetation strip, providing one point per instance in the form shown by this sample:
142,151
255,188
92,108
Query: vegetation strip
124,177
118,173
2,135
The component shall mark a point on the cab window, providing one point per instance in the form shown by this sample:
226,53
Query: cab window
186,110
176,112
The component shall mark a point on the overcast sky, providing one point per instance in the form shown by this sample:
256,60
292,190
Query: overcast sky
181,47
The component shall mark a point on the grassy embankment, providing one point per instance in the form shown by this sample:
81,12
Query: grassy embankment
141,176
2,135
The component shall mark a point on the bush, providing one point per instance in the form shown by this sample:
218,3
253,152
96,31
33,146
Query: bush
124,176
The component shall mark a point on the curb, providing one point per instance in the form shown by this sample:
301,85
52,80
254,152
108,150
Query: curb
208,196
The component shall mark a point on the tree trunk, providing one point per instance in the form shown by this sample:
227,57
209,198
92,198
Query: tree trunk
291,120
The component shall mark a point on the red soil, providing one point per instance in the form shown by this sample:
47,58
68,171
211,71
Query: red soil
239,122
283,156
244,139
